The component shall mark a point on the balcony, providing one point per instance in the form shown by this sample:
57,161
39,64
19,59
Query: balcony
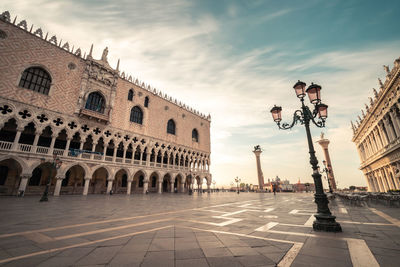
28,150
93,115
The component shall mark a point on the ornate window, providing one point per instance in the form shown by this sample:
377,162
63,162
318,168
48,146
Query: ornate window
195,136
136,115
171,127
95,102
36,79
146,102
130,95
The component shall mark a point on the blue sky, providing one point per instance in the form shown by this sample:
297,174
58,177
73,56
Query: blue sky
236,59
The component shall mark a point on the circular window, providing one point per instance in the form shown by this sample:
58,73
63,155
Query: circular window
71,66
166,107
3,34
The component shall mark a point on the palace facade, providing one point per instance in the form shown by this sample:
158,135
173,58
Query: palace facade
377,134
87,128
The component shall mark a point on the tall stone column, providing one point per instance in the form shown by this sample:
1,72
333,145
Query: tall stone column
66,146
129,187
24,182
109,186
324,144
159,186
57,189
257,151
16,139
145,186
86,186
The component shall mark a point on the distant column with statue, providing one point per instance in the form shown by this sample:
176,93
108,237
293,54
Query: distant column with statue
324,144
257,151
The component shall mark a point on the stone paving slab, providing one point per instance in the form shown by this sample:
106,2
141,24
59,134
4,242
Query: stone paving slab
218,229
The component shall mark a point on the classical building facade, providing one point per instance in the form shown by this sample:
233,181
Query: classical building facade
377,134
109,130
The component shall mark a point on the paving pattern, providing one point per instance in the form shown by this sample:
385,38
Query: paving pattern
217,229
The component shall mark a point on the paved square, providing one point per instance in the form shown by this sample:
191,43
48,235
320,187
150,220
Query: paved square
218,229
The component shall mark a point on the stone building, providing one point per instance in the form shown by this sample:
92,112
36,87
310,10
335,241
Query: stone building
109,130
377,134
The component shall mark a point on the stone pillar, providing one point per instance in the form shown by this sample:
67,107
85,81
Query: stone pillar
16,139
383,180
129,187
148,155
379,182
257,151
208,188
388,178
393,172
81,147
23,183
382,134
57,189
109,186
124,155
53,140
67,147
182,187
35,141
172,185
395,122
145,186
104,152
159,186
141,157
389,129
324,144
86,186
114,153
93,150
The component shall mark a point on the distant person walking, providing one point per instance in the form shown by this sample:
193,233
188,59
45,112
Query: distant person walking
274,189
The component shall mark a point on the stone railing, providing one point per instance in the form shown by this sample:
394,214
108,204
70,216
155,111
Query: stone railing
370,198
29,149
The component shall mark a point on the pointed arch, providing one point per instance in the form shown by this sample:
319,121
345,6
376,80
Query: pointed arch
136,115
171,129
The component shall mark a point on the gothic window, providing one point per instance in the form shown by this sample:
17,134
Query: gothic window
171,127
136,115
195,136
95,102
36,79
130,95
146,102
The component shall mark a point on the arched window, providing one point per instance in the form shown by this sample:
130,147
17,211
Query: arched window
171,127
130,95
136,115
36,79
146,102
195,136
95,102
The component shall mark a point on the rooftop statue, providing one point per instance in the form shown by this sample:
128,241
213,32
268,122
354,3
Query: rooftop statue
257,148
386,68
104,55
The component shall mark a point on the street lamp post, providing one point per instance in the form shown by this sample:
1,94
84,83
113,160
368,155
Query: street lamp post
325,221
237,180
327,172
56,164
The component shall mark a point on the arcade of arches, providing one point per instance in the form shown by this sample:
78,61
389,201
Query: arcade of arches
17,177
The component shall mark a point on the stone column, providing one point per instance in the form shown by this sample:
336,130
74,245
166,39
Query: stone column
324,144
129,187
23,183
104,152
208,188
109,186
86,186
393,172
172,185
373,183
124,155
141,157
159,186
93,150
53,140
67,147
57,189
16,139
382,134
148,155
114,153
81,147
388,128
182,187
257,151
35,142
395,122
145,186
384,182
388,178
379,182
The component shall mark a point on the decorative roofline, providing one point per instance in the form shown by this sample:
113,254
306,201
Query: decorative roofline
6,17
391,75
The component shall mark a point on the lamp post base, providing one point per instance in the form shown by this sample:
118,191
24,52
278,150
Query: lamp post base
326,223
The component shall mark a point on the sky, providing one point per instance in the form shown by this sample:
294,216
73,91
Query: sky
235,60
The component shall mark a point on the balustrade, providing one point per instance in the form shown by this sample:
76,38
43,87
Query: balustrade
24,147
4,145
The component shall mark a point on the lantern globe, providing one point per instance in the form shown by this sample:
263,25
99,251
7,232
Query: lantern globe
314,93
322,111
299,89
276,113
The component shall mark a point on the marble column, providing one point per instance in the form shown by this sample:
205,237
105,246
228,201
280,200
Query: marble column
388,178
86,186
182,187
208,188
23,183
172,186
257,151
93,150
389,129
109,186
382,134
324,144
81,147
16,139
129,187
159,190
104,152
57,189
145,186
53,140
395,122
114,153
67,147
35,142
